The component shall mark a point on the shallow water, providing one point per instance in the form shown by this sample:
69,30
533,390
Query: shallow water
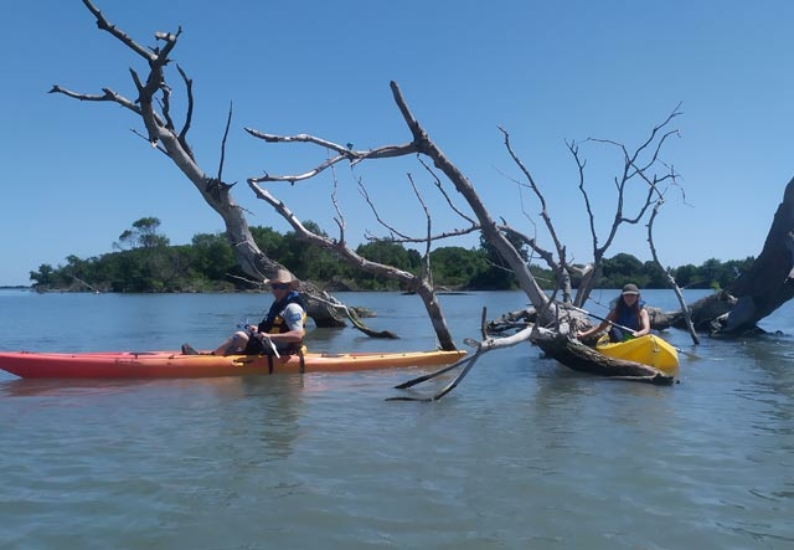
523,454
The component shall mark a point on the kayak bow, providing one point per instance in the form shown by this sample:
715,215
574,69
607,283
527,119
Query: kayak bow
649,350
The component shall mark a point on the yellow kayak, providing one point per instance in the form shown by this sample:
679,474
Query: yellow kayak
649,350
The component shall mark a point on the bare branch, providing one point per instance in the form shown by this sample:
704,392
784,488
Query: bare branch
189,113
165,107
573,147
344,153
544,213
393,230
547,256
428,273
157,146
340,218
633,167
325,242
560,267
223,143
436,237
489,228
108,96
104,25
421,286
440,187
670,278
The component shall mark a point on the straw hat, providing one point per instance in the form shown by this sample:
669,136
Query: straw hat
284,276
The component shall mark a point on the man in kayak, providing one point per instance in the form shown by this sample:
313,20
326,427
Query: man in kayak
629,312
282,330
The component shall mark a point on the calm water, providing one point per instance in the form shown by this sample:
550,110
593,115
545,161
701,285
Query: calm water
523,454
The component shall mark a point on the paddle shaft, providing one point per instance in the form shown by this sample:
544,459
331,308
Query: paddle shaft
252,333
613,323
594,316
273,347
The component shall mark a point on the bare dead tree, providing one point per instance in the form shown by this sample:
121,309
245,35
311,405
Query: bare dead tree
421,145
643,170
152,104
638,167
547,312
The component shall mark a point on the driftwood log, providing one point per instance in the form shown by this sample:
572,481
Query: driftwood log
579,357
572,353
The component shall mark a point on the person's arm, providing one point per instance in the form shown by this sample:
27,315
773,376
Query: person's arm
290,337
645,324
592,330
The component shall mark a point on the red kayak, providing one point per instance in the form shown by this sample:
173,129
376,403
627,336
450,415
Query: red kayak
172,364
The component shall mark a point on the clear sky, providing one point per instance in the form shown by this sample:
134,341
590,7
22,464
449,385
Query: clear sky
75,176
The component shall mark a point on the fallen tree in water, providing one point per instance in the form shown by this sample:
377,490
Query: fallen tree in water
735,311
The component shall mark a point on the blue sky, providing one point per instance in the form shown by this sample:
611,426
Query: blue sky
76,176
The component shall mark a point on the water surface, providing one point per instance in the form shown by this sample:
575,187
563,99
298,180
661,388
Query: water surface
523,454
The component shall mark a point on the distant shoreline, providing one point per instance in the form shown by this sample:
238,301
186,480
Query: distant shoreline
17,287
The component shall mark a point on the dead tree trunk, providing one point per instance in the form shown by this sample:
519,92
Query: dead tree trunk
770,281
756,293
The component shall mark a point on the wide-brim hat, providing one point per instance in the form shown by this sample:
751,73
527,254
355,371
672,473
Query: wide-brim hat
285,277
631,289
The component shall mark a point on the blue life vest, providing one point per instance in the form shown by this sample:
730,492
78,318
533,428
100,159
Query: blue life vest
629,318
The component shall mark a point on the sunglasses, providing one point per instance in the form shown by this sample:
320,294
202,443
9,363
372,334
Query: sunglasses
279,286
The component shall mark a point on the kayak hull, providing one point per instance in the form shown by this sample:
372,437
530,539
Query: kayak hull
172,364
649,350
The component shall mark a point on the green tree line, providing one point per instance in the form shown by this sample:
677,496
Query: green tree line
143,260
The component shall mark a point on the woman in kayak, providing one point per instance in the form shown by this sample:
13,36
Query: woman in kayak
282,330
629,312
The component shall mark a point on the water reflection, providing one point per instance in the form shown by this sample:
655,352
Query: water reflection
276,404
32,387
768,382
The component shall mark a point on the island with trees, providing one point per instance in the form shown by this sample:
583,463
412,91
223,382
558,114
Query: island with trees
144,260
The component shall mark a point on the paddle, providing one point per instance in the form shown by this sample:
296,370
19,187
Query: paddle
272,346
625,328
252,333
